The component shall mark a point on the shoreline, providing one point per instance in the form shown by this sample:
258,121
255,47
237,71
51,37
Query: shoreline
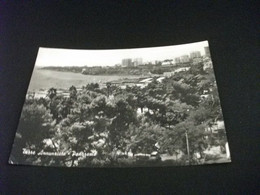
90,74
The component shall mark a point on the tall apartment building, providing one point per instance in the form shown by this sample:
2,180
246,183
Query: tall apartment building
207,52
127,62
185,59
177,60
137,61
195,54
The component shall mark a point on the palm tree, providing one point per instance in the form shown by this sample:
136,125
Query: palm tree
52,92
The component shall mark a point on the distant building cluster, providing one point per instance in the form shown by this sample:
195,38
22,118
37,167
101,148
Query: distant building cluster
129,62
194,57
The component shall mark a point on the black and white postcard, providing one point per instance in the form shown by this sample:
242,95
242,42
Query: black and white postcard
156,106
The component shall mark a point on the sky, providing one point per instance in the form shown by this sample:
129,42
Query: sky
81,57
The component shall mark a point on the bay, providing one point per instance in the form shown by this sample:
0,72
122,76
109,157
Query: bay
45,79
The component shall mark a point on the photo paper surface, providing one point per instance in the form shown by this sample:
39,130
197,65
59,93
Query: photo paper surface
143,107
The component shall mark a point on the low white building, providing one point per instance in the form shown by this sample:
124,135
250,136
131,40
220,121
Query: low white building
214,128
169,74
160,79
167,63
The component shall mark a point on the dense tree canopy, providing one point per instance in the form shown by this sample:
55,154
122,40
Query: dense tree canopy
97,126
